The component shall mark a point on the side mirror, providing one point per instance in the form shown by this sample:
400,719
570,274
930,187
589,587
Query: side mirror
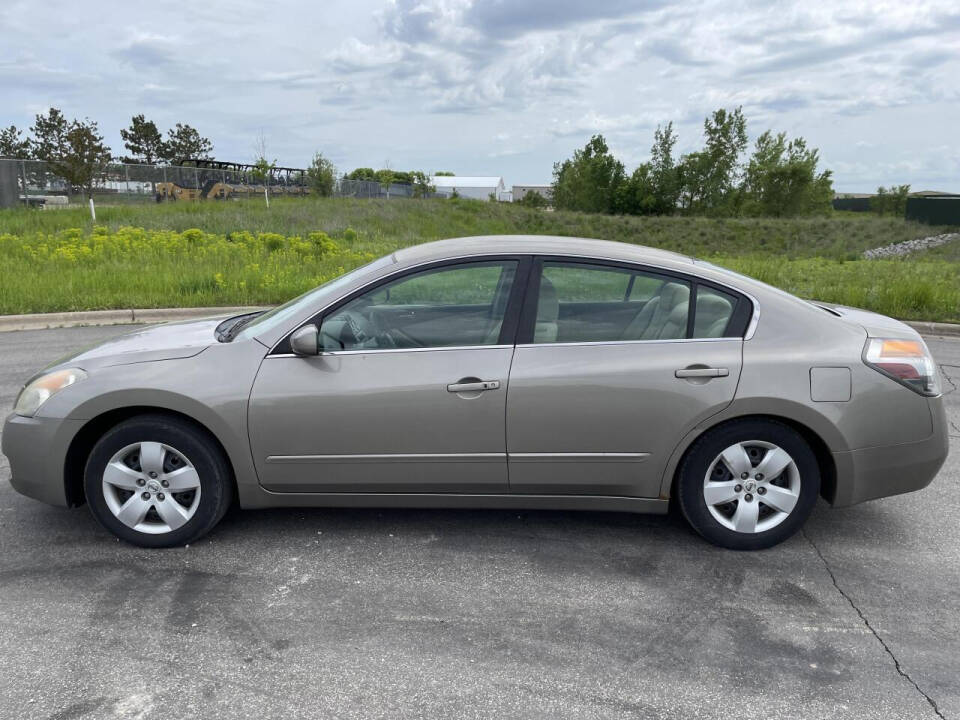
306,341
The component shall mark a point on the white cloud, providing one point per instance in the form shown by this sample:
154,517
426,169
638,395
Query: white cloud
498,87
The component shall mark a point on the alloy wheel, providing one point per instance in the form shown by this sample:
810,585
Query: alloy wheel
752,486
151,487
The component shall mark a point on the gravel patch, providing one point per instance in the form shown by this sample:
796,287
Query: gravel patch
905,248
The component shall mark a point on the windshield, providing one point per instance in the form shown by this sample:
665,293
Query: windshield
290,309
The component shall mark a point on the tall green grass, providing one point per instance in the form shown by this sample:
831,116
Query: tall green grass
909,290
405,222
239,253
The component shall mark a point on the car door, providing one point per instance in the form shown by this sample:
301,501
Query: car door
614,364
408,394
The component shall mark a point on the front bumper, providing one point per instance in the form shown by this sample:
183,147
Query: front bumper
876,472
37,448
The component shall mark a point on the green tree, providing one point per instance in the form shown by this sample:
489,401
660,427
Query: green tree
421,184
891,200
362,174
262,168
653,188
385,178
74,149
663,174
444,173
86,155
710,178
12,145
532,199
635,196
590,180
49,132
143,140
185,143
781,179
322,175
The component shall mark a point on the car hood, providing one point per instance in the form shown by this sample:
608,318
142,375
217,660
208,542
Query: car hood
169,341
875,324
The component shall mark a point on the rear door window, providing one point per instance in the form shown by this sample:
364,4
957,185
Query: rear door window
581,302
714,310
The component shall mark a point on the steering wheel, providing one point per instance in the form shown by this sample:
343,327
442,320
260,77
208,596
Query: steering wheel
354,331
382,335
388,337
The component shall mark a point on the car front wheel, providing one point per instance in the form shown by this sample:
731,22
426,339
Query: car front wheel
157,481
748,484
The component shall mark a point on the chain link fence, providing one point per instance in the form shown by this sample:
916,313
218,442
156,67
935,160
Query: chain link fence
40,183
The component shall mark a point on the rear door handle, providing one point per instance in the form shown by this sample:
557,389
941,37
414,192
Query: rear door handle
701,372
478,386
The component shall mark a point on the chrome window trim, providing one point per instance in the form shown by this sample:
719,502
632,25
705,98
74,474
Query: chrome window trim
751,328
755,320
627,342
395,350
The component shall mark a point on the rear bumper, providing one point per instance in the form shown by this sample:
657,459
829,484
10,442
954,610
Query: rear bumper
36,448
876,472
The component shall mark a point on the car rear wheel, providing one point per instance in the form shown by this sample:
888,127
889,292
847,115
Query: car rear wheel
748,484
157,481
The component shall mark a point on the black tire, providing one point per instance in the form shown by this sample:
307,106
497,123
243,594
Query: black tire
699,458
216,484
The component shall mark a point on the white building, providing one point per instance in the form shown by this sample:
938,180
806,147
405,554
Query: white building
479,188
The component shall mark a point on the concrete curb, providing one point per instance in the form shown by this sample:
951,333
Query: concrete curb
934,328
43,321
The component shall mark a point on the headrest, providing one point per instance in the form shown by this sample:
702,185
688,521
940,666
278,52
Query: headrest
548,306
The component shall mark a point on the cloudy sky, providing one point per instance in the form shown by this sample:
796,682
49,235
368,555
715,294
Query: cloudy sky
501,88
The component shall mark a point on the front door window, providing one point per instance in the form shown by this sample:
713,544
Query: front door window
450,306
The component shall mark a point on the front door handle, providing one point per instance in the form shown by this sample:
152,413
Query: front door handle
701,372
478,386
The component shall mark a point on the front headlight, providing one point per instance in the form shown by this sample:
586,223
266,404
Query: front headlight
43,388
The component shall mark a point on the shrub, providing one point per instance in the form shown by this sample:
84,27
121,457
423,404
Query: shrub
323,244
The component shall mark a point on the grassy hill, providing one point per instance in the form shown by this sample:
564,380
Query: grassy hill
193,254
403,222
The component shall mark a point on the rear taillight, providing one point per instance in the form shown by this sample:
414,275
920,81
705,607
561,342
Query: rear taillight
909,362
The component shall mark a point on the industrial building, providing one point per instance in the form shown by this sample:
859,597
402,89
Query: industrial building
479,188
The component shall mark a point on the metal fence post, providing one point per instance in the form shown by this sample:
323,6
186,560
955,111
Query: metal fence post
126,174
196,179
23,176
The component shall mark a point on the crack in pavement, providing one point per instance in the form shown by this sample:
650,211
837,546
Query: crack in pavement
903,673
947,377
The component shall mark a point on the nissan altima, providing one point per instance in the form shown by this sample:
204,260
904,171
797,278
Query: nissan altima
493,372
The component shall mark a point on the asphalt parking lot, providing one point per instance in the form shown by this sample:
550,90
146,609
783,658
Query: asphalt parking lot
462,614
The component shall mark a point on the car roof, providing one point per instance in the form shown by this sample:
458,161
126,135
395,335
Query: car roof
538,245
